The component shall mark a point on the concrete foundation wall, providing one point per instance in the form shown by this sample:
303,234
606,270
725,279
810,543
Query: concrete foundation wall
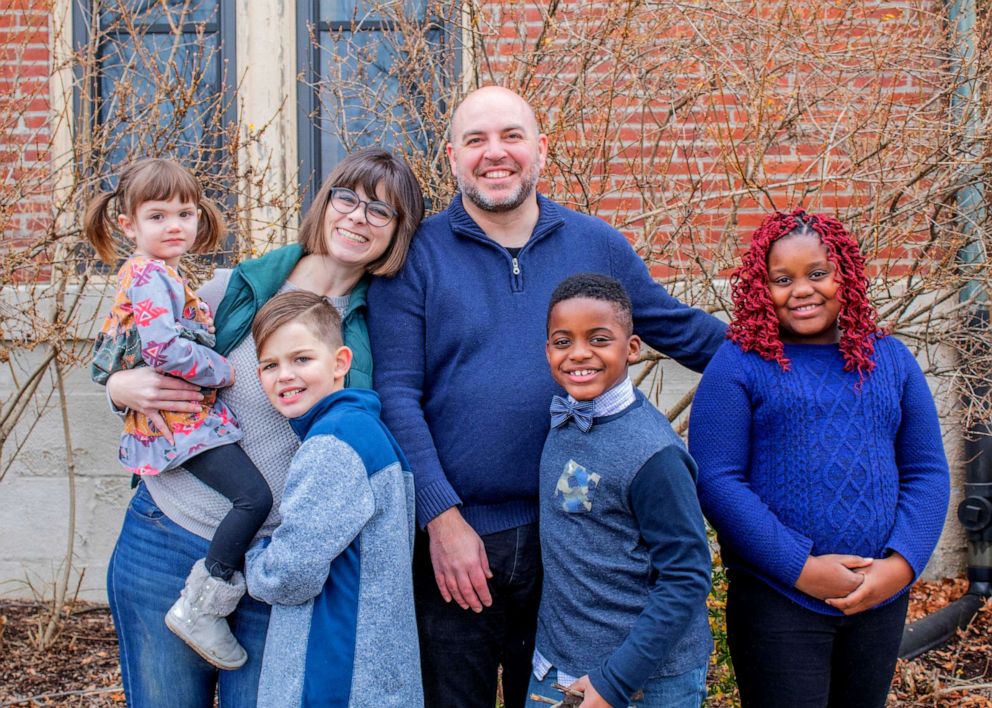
34,496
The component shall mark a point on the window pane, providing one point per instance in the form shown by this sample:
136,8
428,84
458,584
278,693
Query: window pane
140,111
360,10
148,12
367,97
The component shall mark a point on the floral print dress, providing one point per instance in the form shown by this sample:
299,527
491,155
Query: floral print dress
158,321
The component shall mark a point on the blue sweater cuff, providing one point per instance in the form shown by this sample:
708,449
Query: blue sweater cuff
433,499
611,694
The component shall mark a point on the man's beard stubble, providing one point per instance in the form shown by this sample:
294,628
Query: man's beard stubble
509,202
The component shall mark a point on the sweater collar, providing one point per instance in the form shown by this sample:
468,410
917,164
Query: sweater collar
353,399
549,218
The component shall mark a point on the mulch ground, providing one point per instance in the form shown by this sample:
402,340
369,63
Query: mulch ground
81,668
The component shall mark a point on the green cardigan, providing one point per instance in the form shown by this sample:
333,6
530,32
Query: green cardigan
251,285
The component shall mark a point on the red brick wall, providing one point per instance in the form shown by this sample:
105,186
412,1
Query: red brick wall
25,131
705,120
691,121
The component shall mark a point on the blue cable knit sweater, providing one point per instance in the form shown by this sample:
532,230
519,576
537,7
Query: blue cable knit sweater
800,463
458,337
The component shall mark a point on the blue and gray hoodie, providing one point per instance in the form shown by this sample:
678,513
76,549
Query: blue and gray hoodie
337,569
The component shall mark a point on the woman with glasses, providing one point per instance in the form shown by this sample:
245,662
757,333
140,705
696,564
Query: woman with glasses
359,226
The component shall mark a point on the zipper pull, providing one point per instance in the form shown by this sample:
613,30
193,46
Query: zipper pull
516,267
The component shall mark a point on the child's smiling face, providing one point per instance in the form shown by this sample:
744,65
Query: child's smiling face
297,369
589,347
803,290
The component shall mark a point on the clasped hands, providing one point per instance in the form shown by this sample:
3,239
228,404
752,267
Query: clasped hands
853,584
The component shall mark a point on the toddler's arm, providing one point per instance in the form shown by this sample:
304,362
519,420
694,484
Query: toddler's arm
326,503
663,500
158,300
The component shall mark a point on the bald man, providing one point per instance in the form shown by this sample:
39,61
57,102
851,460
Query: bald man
458,340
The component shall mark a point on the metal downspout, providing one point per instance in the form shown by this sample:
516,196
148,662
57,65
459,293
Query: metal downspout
975,512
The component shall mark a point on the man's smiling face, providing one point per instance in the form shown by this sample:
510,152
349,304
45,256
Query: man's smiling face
496,152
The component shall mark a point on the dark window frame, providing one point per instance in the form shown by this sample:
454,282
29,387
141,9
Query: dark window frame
225,27
308,66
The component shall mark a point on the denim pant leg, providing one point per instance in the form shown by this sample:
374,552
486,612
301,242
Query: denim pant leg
148,567
686,690
461,651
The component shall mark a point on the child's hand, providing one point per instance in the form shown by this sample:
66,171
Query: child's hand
592,698
832,575
205,309
883,579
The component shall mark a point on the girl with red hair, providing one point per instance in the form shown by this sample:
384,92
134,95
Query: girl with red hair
820,467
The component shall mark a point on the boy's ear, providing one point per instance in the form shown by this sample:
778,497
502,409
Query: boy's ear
633,349
342,362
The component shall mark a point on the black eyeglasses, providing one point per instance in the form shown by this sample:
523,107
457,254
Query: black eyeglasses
346,201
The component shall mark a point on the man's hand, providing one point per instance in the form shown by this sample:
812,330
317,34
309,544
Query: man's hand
831,575
461,567
148,392
883,579
592,698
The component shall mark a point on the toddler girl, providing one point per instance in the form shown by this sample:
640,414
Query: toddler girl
821,469
158,321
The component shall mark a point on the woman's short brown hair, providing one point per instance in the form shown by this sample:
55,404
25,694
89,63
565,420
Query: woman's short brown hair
303,306
369,169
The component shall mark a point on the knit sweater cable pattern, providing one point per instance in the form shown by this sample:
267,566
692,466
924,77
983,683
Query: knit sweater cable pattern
800,462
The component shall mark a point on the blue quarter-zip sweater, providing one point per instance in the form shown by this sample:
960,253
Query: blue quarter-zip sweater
458,340
337,570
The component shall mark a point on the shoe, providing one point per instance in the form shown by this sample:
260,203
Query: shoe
198,617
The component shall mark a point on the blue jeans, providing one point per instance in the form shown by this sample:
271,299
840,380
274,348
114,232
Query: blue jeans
686,690
149,565
461,651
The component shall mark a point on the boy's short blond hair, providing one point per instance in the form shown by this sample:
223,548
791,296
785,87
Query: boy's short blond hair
301,306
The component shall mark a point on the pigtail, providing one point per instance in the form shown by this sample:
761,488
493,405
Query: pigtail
98,228
211,229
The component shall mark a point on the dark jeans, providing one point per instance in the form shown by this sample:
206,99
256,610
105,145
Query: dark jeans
785,655
460,651
227,470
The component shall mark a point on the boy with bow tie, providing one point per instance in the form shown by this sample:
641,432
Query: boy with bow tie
626,565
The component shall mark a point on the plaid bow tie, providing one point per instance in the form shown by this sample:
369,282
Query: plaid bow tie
563,408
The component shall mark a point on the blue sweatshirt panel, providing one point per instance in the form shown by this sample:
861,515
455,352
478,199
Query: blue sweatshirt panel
330,655
352,415
337,570
458,338
802,462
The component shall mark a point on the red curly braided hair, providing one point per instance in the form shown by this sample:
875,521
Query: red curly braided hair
755,327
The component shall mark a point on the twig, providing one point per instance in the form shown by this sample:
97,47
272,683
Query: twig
60,694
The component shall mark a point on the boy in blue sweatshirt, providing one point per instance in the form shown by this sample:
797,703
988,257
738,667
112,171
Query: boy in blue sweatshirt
337,569
623,615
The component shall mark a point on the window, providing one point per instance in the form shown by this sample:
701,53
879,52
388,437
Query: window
154,80
372,73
